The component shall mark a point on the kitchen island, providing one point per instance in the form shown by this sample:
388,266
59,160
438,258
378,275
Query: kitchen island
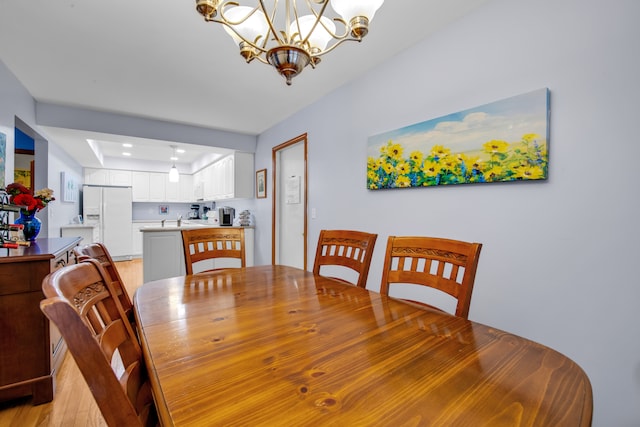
163,254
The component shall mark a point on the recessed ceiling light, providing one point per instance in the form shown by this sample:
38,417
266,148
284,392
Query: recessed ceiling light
180,150
126,154
173,158
127,145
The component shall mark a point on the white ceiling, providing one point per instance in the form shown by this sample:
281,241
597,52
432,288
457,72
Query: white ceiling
160,60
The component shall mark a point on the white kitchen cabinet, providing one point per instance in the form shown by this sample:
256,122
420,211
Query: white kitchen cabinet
198,185
172,190
120,178
181,191
209,180
140,186
116,177
229,178
157,186
149,186
241,172
137,236
96,176
186,189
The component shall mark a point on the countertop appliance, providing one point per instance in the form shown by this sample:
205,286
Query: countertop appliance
194,213
226,215
110,209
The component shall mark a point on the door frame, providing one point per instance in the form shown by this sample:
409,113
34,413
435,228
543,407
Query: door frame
274,200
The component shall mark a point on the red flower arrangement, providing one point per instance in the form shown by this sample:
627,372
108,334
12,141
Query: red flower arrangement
21,195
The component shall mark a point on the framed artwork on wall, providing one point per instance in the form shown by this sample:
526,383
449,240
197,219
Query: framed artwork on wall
503,141
69,188
261,184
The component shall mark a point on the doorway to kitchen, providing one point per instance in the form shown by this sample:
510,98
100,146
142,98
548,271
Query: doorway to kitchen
289,216
38,163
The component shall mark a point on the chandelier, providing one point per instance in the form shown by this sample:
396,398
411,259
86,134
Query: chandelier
289,39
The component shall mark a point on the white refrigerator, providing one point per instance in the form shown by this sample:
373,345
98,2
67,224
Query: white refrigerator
110,209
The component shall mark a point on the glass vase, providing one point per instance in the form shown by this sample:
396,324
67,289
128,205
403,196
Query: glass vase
31,225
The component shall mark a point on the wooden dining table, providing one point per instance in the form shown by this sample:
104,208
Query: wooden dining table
276,345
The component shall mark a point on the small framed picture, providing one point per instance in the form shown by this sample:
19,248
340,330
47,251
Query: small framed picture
261,184
163,209
69,188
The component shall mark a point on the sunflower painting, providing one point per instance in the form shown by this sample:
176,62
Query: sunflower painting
502,141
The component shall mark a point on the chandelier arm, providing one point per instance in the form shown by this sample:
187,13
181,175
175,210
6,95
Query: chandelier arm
270,22
338,43
317,15
230,25
249,42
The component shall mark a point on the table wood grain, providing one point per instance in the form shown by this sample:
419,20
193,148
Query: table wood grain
275,345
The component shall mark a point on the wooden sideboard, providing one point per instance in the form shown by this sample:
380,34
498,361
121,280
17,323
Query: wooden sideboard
31,350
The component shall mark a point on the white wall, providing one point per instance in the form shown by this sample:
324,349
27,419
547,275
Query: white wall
558,261
61,213
15,101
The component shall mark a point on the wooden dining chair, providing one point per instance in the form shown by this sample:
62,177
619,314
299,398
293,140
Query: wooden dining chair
210,244
446,265
100,253
82,304
345,248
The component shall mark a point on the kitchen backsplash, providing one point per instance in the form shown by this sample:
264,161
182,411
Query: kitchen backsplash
154,211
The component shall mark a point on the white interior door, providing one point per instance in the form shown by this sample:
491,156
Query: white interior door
290,203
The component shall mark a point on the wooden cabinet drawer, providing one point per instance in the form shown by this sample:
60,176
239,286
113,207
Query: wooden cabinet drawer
62,260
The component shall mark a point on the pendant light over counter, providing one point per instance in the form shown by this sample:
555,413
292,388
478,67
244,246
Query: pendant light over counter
174,175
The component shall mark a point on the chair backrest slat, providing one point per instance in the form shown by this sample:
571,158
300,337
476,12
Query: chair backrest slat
100,253
202,244
449,266
346,248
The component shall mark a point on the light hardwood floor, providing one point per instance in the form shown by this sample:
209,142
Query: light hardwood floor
73,404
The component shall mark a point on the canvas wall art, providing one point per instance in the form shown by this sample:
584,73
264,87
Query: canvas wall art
502,141
70,188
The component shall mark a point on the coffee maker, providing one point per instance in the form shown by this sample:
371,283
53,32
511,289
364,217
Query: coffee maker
194,213
226,215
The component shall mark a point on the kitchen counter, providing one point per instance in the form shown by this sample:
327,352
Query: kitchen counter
89,233
185,225
163,253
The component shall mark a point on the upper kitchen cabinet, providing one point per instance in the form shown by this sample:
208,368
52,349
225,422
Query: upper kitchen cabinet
181,191
107,177
140,186
155,187
148,186
229,178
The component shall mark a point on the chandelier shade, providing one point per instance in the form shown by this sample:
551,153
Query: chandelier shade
290,34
